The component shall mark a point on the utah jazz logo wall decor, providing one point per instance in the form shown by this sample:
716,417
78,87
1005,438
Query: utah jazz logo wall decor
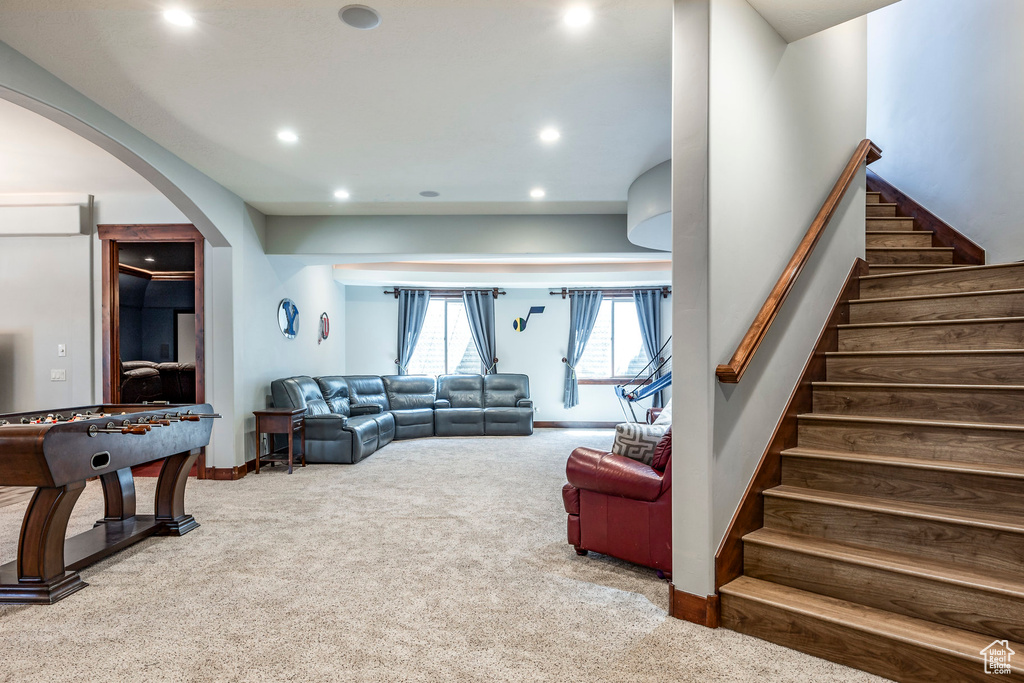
325,328
288,318
519,324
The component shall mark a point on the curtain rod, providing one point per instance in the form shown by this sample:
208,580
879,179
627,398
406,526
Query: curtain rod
665,291
445,292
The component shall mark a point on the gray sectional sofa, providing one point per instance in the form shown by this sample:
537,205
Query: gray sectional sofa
349,417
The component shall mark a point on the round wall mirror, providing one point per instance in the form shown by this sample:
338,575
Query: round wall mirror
288,318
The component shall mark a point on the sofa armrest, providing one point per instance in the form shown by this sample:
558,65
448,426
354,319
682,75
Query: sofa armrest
328,427
524,403
442,403
614,475
365,409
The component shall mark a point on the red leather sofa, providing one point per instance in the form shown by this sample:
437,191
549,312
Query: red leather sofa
621,507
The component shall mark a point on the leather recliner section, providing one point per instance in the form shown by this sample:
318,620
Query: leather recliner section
459,408
411,398
329,437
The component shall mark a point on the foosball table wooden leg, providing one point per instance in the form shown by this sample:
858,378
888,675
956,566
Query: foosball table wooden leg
39,575
118,495
170,494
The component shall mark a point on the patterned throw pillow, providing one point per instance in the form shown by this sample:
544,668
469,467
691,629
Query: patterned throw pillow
637,441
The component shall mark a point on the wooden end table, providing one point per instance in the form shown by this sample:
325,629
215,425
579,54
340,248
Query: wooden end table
280,421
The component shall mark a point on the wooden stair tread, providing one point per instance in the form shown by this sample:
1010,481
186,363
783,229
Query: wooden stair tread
956,268
940,387
907,249
932,352
898,232
910,421
887,560
954,321
935,513
1005,471
917,632
941,295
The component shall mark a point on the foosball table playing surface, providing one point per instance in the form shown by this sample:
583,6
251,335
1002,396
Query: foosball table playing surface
57,451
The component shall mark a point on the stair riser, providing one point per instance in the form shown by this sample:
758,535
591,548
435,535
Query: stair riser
994,335
919,240
873,198
985,493
946,603
986,279
900,223
962,405
949,308
867,651
928,443
912,256
945,369
972,547
881,211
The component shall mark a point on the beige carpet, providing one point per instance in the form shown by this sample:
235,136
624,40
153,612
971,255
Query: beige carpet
434,560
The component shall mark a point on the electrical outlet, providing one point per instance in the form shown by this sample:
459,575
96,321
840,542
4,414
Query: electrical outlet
58,375
62,350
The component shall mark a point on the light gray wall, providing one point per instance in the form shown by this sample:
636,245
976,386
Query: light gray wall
355,238
372,345
785,119
56,282
761,130
945,104
692,415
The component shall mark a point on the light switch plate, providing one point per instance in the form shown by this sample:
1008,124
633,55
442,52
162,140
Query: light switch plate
62,350
58,375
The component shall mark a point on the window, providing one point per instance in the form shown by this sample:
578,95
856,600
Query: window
616,348
446,344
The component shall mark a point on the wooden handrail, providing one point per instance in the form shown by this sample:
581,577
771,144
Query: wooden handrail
866,151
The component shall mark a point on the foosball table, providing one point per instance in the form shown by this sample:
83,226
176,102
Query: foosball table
58,451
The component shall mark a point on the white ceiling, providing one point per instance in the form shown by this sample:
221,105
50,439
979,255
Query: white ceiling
38,155
796,19
446,95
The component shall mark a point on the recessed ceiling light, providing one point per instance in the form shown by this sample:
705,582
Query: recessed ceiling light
537,193
550,134
430,193
287,136
341,194
578,16
360,16
149,259
178,17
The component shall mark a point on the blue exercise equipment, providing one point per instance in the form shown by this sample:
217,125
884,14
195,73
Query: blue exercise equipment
645,383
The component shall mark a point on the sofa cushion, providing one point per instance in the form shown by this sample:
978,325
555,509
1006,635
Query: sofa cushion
367,389
335,391
459,422
385,429
637,441
299,392
663,452
508,421
461,391
505,390
365,432
410,392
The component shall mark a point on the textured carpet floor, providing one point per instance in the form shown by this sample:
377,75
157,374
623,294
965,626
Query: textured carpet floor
434,560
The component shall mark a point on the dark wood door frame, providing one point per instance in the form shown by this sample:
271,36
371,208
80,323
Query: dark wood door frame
110,236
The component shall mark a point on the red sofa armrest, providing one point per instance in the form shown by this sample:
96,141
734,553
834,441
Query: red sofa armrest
614,475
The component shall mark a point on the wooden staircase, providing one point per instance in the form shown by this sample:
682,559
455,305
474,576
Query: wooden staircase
895,542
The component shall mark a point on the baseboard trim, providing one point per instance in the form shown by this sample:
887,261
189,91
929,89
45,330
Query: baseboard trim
227,473
574,425
693,608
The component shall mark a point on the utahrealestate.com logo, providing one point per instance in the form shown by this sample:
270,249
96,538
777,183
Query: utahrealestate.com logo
997,657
